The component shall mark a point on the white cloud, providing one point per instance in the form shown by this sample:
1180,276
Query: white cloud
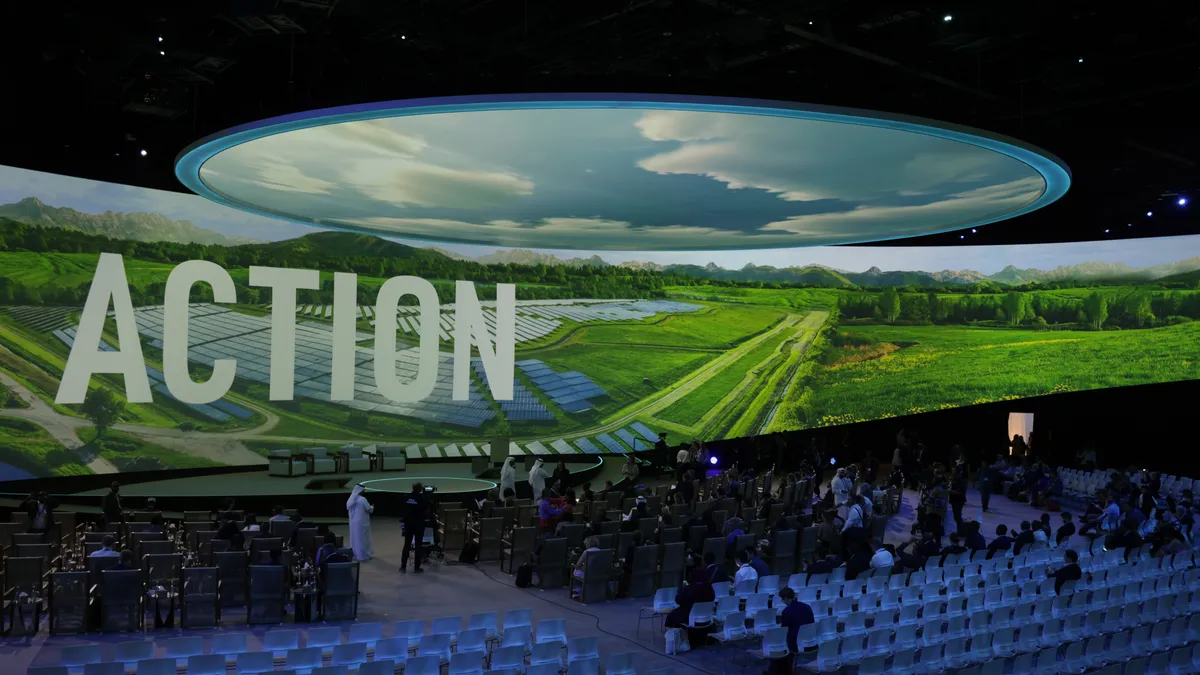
409,183
805,160
891,221
275,174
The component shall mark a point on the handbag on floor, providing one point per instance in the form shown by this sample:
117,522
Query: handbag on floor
677,641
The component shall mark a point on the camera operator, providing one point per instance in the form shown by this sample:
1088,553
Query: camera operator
416,508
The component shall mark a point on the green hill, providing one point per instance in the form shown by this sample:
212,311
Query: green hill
345,244
149,227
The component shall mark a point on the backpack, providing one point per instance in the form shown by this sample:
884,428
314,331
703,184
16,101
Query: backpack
470,553
525,575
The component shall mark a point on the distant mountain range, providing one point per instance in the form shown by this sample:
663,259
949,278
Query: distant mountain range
130,226
819,275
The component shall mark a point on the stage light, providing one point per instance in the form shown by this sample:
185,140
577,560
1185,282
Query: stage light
403,37
1182,201
810,23
973,230
833,461
1106,232
143,153
162,53
1128,224
712,460
948,18
160,38
962,236
1081,59
1149,214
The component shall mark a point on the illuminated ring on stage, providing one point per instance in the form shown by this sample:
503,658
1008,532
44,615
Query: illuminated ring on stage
855,210
445,484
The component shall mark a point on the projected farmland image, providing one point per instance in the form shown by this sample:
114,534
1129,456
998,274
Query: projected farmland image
611,348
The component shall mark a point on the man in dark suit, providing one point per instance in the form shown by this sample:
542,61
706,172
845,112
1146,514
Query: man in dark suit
1065,531
1024,539
954,548
716,573
1068,572
794,615
972,538
1001,543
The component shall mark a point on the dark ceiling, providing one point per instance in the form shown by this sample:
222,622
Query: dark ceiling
1108,90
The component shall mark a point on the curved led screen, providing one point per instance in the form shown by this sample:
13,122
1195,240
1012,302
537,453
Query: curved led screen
122,370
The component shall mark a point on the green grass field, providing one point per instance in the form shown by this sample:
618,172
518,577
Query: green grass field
27,446
689,410
719,327
947,367
129,453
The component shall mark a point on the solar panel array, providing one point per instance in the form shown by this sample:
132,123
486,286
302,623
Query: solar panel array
536,319
569,390
218,411
217,333
42,319
523,407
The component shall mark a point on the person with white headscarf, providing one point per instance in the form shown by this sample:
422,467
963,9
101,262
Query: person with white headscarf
537,478
360,524
508,478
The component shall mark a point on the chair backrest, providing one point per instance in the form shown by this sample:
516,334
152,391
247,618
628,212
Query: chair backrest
370,631
384,667
156,667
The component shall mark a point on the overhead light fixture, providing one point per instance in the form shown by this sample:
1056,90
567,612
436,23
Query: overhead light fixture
1182,201
948,18
1081,59
810,23
973,230
1106,232
143,153
1128,224
403,37
962,236
160,38
1149,214
162,53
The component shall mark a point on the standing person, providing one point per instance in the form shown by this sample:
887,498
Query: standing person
415,507
508,479
840,486
562,478
958,493
39,506
629,470
681,462
983,481
794,615
870,468
360,524
700,458
113,513
537,478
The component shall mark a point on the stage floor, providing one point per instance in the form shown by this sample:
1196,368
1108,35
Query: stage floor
449,477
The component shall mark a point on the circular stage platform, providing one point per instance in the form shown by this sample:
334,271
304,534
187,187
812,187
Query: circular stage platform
254,490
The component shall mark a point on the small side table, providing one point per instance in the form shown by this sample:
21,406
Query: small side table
304,598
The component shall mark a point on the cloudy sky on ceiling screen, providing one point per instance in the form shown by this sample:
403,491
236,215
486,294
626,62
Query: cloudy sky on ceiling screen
611,347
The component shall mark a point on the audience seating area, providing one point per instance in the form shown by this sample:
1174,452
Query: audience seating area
483,643
1080,485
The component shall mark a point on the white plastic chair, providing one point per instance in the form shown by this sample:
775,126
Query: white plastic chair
278,642
429,664
933,660
828,658
183,648
435,645
904,662
351,655
511,657
466,664
488,620
392,649
733,630
472,641
765,620
621,664
546,652
254,662
156,667
447,625
204,664
582,649
552,630
129,653
367,633
853,649
304,660
879,643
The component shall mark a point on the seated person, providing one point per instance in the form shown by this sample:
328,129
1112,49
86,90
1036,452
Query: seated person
860,561
1068,572
127,562
156,524
746,571
954,548
1024,539
716,573
697,590
106,548
1064,532
328,550
1000,544
590,545
972,538
277,515
759,564
251,523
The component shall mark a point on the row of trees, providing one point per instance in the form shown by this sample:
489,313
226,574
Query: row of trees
1133,309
